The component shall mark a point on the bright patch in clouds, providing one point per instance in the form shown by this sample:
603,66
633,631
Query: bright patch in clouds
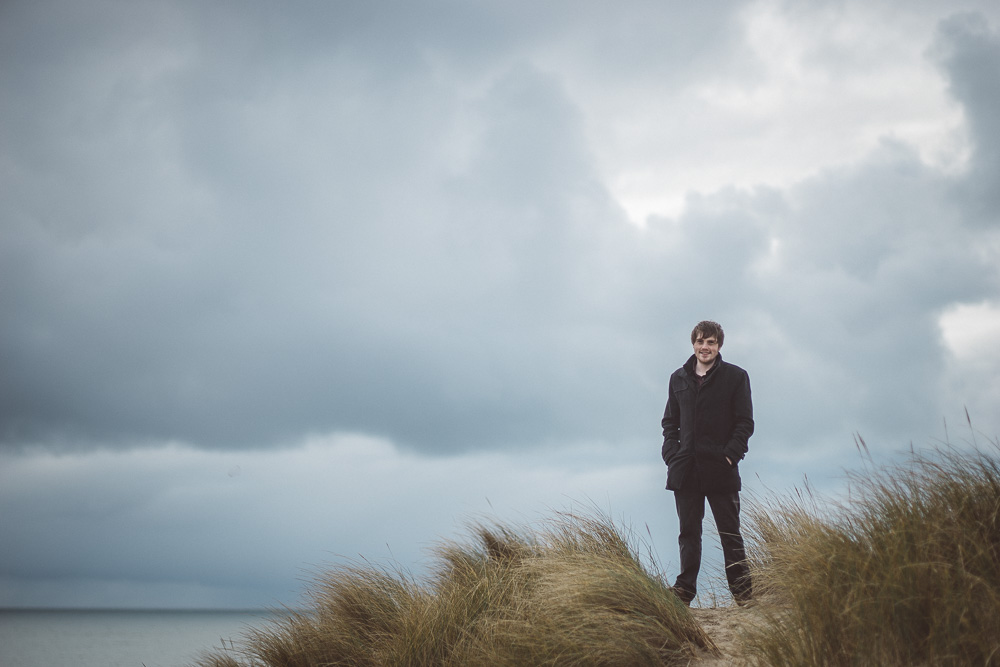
972,331
808,90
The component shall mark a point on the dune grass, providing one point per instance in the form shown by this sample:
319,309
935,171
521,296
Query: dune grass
906,571
572,593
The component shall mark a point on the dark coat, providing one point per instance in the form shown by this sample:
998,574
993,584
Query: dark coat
704,425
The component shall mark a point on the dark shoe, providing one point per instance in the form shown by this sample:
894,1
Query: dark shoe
685,596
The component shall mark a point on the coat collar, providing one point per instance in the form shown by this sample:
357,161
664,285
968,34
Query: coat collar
689,366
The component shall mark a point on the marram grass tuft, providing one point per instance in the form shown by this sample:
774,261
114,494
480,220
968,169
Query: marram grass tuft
906,571
572,593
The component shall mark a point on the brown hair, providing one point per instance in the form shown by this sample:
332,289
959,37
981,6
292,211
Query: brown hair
707,329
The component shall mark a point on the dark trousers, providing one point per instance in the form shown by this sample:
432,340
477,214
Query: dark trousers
726,510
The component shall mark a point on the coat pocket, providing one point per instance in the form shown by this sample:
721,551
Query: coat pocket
718,475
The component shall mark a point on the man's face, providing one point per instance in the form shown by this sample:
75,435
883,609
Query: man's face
706,349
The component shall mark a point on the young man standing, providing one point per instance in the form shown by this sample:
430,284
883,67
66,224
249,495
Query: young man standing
706,425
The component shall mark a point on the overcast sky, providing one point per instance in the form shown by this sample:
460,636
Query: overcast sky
287,284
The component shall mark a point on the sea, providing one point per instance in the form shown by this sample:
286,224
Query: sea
106,638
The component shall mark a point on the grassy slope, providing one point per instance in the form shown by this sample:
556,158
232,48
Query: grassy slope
907,572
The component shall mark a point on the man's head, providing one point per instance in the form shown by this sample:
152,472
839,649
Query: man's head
706,340
708,329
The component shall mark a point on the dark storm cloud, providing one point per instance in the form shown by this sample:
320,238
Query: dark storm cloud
969,49
216,247
235,228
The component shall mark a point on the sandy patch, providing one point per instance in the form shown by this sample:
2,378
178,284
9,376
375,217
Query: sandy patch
723,625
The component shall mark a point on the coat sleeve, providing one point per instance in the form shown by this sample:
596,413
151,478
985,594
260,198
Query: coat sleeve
671,424
742,410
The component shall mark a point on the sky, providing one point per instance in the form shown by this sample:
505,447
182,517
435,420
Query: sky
283,287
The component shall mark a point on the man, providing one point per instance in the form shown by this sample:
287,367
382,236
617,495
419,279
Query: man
706,425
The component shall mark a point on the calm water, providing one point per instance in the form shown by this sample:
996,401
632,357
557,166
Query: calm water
117,638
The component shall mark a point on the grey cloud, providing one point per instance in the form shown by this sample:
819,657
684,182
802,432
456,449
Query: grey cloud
969,50
220,247
291,307
350,240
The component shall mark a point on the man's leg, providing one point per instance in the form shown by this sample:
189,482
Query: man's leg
726,510
690,512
